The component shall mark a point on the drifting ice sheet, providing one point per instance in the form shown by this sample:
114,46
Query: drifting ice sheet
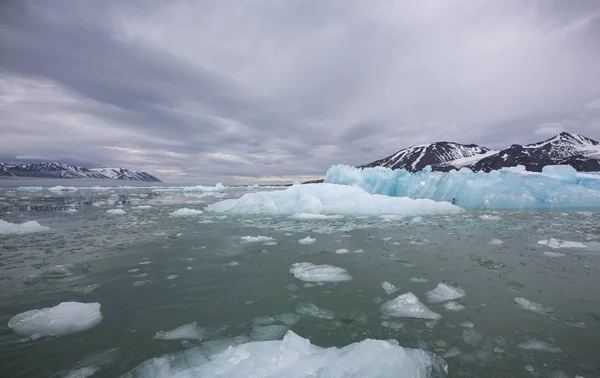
295,357
328,199
7,228
67,317
557,187
310,272
408,306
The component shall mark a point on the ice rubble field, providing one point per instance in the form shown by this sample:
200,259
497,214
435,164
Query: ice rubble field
557,187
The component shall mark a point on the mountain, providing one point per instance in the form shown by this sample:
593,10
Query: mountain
59,170
580,152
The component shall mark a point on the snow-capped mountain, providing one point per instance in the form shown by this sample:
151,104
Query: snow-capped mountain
580,152
59,170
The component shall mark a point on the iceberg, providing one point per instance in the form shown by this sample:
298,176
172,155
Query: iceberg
65,318
328,199
556,187
7,228
296,357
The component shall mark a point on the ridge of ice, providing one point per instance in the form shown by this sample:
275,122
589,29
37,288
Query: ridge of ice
556,187
65,318
444,292
310,272
328,199
409,306
295,357
7,228
185,212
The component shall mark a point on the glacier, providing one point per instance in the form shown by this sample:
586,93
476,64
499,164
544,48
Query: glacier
556,187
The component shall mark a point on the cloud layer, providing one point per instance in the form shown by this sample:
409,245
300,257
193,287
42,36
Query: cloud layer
245,89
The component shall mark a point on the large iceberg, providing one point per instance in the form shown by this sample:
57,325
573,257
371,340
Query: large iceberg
329,199
556,187
296,357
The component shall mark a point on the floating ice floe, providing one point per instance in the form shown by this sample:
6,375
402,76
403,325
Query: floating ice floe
495,242
418,280
556,187
307,240
555,243
62,189
409,306
309,216
185,212
328,199
554,254
7,228
532,306
116,212
453,306
310,272
295,357
185,332
255,239
388,287
538,346
444,292
314,311
341,251
65,318
201,188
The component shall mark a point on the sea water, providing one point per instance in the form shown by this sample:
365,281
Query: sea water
153,290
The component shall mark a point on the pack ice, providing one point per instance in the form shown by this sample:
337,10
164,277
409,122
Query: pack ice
328,199
296,357
556,187
67,317
7,228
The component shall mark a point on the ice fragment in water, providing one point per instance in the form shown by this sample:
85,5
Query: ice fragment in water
341,251
185,212
7,228
555,243
554,254
288,318
472,337
185,332
467,324
538,346
452,352
532,306
65,318
307,240
268,332
141,283
388,287
418,280
408,305
172,276
453,306
313,310
444,292
116,212
495,242
295,357
255,239
309,272
391,324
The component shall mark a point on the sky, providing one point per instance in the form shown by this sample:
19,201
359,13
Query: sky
256,91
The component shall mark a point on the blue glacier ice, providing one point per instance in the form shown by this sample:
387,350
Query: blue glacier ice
555,188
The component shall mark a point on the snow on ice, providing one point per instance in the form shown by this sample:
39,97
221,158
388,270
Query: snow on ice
310,272
328,199
65,318
556,187
7,228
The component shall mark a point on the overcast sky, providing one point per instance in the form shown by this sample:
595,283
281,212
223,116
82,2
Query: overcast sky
252,90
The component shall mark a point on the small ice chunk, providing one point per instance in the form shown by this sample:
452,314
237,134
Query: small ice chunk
538,346
172,276
255,239
387,238
472,337
388,287
185,332
453,306
309,272
233,263
467,324
495,242
555,243
418,280
263,320
7,228
452,352
185,212
268,332
315,311
65,318
554,254
342,251
444,292
489,217
358,251
528,305
71,211
116,212
307,240
141,283
408,305
392,324
289,318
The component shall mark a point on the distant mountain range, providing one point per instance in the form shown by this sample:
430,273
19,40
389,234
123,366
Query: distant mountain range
59,170
580,152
